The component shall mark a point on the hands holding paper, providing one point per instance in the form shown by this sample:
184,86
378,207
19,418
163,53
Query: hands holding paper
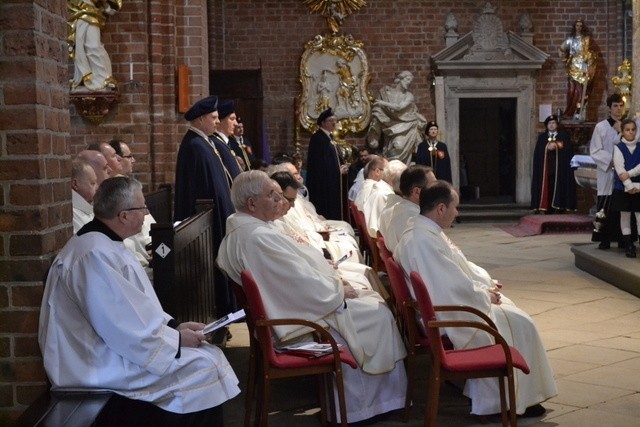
191,334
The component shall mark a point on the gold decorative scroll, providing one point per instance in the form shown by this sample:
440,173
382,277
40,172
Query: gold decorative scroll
334,72
335,10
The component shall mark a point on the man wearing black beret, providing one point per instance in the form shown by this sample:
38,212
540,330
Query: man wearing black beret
201,174
434,153
324,171
552,183
227,116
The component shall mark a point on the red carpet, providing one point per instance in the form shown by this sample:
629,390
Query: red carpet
532,225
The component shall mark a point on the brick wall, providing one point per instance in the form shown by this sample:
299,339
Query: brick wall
39,132
399,35
35,198
150,38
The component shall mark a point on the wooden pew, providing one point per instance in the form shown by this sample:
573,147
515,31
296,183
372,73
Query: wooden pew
160,203
64,409
183,267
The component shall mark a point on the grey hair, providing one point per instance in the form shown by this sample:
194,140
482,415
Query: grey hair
392,174
115,195
281,167
247,185
79,168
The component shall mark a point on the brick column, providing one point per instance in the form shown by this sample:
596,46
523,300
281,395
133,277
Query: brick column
34,168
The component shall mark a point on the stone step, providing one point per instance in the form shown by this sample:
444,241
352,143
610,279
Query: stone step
504,212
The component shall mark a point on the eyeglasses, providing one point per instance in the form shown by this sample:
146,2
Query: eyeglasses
130,156
143,208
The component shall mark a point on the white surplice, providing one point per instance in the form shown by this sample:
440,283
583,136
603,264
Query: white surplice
373,205
82,211
340,242
102,328
297,282
453,280
604,138
394,219
137,243
333,225
364,193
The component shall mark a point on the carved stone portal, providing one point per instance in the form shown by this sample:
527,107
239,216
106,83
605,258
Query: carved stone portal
490,63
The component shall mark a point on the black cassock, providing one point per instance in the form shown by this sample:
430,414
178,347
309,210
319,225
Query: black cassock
437,159
324,181
552,181
200,174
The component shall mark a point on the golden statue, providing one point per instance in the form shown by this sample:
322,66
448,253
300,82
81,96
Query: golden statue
581,67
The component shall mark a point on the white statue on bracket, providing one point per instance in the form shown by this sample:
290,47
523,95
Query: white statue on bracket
92,66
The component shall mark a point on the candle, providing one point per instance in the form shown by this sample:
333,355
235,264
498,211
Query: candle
130,71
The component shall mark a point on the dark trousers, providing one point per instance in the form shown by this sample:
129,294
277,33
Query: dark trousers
123,412
610,231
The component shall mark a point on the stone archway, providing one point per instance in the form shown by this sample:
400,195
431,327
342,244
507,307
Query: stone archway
490,63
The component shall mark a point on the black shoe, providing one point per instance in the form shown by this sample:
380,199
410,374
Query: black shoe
631,251
604,245
534,411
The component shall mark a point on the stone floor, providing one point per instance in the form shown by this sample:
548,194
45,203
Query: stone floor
591,331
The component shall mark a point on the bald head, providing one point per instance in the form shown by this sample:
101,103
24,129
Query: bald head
109,153
97,162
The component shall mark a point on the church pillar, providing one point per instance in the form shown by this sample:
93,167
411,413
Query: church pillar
35,199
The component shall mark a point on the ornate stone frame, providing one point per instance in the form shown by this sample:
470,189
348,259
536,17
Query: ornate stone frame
334,72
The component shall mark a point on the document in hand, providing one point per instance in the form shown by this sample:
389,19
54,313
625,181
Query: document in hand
223,321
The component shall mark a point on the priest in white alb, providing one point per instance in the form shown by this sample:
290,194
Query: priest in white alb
400,209
380,192
453,280
299,283
373,172
103,328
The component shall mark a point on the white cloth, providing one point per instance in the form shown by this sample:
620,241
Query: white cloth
394,219
137,243
102,328
374,204
452,280
356,186
604,138
296,282
92,69
309,210
364,192
82,211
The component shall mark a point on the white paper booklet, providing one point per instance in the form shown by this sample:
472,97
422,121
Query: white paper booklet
223,321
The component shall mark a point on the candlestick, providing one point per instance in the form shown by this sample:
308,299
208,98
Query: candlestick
131,72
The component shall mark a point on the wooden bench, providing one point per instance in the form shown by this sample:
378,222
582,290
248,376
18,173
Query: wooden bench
160,204
64,409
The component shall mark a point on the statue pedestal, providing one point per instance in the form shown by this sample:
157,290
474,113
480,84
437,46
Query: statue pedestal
93,106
